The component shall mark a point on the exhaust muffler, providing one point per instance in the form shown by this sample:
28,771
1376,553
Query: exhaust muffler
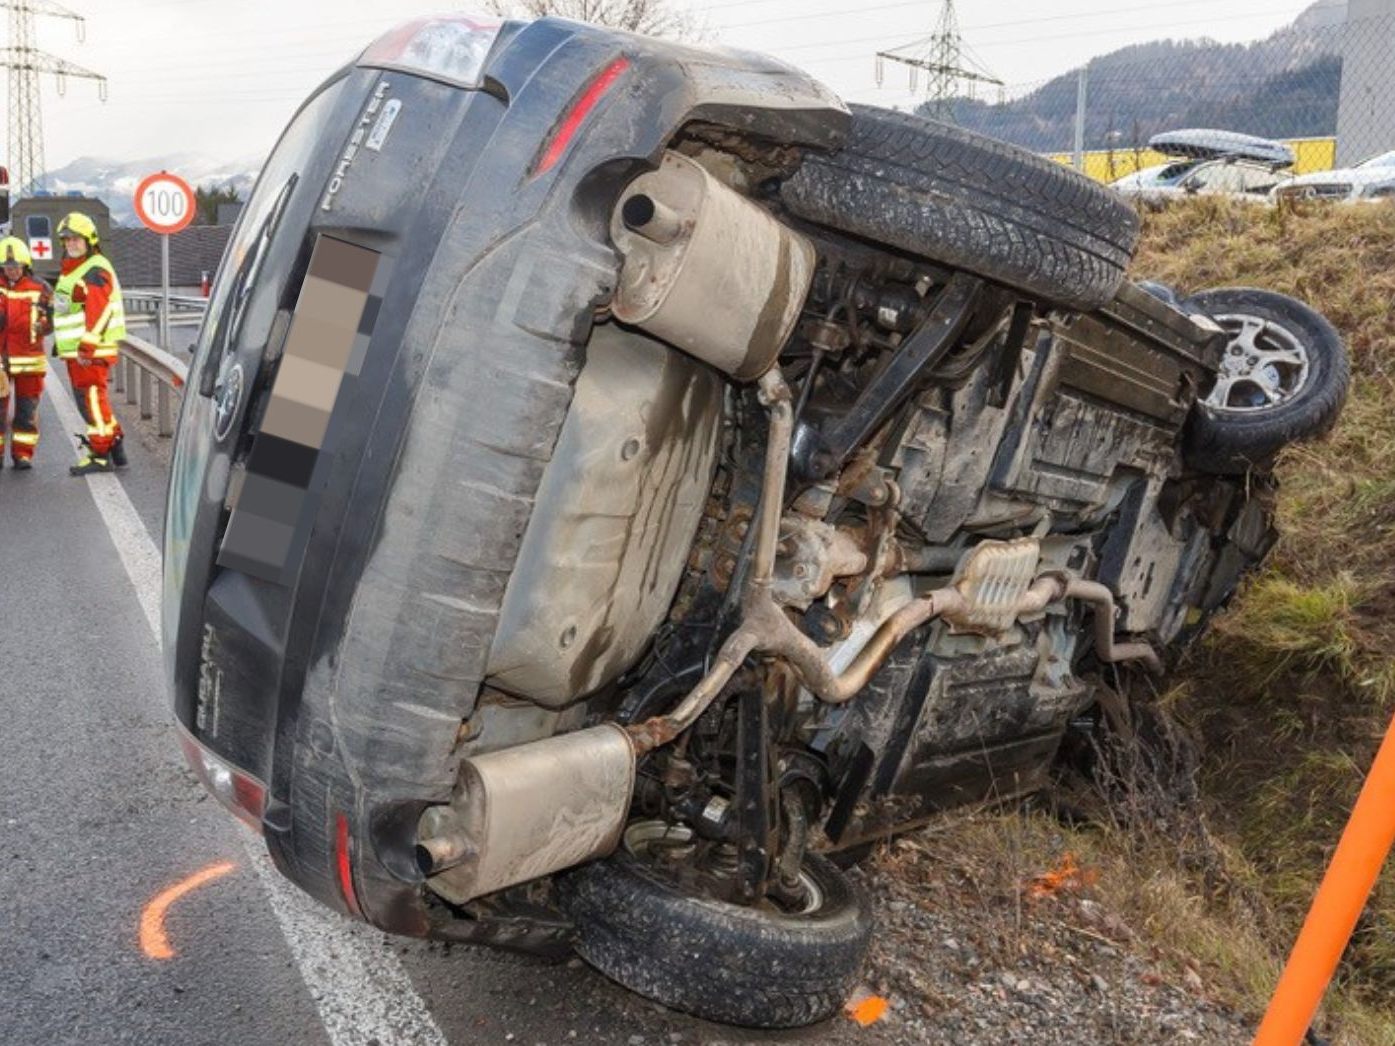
528,811
707,270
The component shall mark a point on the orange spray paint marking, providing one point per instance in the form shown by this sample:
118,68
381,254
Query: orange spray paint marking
868,1011
1069,876
153,941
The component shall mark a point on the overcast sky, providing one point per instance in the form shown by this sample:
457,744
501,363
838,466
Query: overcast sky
221,77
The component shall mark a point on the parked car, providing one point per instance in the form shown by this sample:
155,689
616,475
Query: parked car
1208,162
1372,179
618,482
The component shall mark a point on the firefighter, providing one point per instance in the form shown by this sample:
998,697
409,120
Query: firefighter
26,315
88,325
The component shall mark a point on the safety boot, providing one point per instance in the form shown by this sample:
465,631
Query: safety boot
118,452
23,464
90,464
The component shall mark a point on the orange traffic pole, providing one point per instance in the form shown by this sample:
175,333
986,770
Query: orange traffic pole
1348,883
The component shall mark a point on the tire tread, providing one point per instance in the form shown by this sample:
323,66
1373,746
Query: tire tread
714,960
971,202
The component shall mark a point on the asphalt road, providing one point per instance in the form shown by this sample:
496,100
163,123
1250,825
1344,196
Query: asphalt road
98,816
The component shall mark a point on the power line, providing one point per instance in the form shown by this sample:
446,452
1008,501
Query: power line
911,41
25,62
1014,24
944,60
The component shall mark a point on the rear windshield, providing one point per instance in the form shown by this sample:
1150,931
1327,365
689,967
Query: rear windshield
276,181
36,227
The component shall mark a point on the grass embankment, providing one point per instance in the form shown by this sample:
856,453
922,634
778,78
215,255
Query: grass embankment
1289,695
1294,689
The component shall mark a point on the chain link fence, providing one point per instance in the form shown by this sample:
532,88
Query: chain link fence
1324,86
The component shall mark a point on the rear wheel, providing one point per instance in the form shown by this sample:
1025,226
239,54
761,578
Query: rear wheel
779,964
970,202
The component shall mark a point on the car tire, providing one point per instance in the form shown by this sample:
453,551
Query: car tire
1230,440
970,202
722,962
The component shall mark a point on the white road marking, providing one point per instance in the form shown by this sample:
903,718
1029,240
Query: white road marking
133,544
360,989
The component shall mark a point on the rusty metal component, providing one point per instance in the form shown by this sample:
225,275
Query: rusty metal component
689,241
839,687
528,811
812,555
995,587
441,843
792,857
775,395
928,559
827,335
993,579
1106,649
864,481
615,514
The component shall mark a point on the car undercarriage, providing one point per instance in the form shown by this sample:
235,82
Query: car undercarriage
753,492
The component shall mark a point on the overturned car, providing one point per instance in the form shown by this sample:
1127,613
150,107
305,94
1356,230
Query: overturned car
618,482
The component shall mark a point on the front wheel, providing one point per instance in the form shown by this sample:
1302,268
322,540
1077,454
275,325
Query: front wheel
774,965
1283,377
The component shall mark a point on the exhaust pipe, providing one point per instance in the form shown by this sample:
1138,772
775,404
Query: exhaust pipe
528,811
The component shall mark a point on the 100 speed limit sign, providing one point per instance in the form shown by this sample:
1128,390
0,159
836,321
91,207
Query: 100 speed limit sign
164,202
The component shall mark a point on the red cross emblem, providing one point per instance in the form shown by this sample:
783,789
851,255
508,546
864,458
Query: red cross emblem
41,248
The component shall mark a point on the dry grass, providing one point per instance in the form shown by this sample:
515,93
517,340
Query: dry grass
1294,688
1158,904
1292,691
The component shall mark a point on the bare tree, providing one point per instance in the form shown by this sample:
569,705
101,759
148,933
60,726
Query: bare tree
651,17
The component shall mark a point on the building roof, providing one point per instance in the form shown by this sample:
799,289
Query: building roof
135,253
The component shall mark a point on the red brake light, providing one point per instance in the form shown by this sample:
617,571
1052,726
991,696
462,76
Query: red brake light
341,858
578,113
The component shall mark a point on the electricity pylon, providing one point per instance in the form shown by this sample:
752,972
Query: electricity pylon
952,73
25,62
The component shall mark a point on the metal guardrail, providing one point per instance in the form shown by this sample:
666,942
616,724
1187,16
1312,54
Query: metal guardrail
177,319
149,301
185,310
150,377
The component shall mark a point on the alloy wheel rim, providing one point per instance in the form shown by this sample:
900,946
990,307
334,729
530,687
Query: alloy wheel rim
1264,366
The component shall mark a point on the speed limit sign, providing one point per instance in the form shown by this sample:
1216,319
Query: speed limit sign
164,202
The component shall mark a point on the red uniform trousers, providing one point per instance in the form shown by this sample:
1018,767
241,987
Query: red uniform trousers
90,391
24,433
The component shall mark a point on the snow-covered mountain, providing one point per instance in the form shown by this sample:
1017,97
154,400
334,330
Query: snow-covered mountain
115,181
1325,14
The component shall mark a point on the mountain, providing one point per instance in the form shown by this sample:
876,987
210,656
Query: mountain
1285,86
1325,14
115,181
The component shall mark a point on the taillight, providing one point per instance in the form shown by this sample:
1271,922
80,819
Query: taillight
450,48
565,131
344,862
242,794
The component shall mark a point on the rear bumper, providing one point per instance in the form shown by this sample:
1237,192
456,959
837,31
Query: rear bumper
340,680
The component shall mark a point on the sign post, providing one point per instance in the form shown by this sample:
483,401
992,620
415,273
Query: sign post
1351,876
165,204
